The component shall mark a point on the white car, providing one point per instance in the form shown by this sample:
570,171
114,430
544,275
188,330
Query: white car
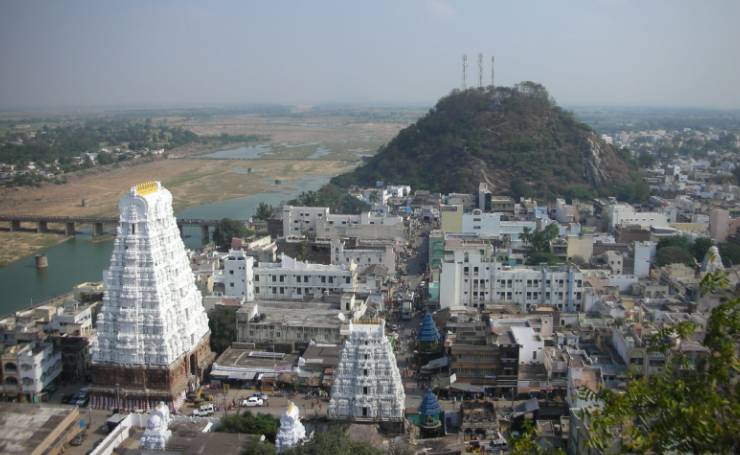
252,402
204,411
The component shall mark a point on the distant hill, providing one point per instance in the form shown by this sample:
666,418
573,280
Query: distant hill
515,138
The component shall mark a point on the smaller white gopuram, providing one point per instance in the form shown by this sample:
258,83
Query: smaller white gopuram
367,386
291,431
157,429
712,261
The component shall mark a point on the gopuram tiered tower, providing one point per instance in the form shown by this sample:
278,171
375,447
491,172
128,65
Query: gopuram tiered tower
152,330
367,384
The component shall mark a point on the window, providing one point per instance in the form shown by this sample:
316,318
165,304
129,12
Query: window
364,392
346,280
365,371
323,279
231,284
231,272
298,278
282,290
274,278
257,290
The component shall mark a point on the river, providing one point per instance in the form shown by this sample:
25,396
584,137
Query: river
79,259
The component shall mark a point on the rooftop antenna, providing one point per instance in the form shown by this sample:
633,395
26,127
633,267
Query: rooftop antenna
493,60
464,72
480,70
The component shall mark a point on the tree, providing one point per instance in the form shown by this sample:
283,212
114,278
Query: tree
264,211
222,322
673,255
526,235
246,422
700,247
691,406
526,443
335,442
730,253
226,229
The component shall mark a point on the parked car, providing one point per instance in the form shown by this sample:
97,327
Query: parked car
263,396
204,411
252,402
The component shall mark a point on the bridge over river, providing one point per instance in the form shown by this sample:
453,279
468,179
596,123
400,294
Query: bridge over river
69,224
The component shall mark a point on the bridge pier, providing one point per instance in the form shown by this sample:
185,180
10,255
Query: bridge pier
42,226
69,229
97,229
15,225
205,233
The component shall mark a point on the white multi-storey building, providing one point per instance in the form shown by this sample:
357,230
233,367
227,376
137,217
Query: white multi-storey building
365,254
491,225
293,279
29,368
299,221
367,383
625,215
319,222
472,277
238,275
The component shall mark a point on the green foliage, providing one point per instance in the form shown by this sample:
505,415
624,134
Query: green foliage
730,253
539,242
257,447
222,322
67,141
246,422
332,196
673,255
517,136
226,229
688,407
264,211
632,190
681,249
334,442
700,247
526,444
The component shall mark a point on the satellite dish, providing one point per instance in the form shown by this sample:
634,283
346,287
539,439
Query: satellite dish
341,317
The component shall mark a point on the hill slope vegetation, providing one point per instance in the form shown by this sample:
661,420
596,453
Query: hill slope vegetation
515,138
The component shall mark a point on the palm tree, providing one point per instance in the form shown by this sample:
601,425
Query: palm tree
526,235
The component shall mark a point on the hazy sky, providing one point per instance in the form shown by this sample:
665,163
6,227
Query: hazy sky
642,52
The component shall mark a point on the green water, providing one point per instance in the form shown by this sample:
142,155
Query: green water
80,259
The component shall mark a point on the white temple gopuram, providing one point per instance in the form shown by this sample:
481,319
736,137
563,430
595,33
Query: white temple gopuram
152,328
157,429
291,431
367,384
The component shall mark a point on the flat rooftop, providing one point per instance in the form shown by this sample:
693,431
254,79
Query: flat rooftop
26,428
298,314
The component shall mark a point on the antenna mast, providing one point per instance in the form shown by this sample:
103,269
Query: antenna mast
493,59
480,70
464,72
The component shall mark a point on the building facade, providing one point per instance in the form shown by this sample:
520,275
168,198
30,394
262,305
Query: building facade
472,277
295,280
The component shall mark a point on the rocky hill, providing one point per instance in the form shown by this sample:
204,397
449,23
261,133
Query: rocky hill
515,138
